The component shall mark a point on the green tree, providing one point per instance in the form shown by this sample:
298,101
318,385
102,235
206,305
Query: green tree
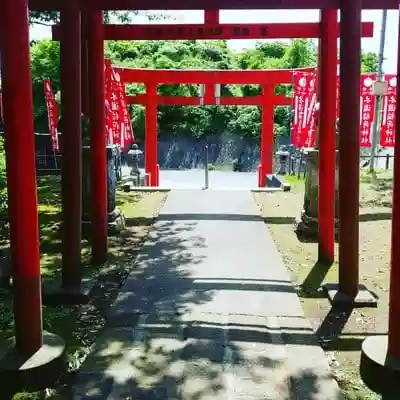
45,64
369,62
190,54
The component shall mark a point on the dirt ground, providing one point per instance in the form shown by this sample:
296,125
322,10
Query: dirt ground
340,333
79,325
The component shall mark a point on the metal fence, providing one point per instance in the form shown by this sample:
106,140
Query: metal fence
385,161
48,163
296,163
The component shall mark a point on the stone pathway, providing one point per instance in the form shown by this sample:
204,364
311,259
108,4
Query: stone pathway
208,312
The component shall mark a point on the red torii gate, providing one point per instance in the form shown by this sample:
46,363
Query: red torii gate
18,118
212,29
90,5
268,79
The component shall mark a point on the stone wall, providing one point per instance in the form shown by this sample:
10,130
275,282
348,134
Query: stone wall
179,152
175,152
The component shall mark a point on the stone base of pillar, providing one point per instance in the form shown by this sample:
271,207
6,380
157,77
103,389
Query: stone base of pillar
364,297
53,293
306,227
33,373
379,370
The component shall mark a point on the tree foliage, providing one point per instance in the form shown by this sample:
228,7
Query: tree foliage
189,54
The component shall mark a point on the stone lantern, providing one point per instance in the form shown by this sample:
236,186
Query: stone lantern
283,158
136,176
134,154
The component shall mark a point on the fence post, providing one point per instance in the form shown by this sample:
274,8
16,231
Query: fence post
206,167
387,161
300,162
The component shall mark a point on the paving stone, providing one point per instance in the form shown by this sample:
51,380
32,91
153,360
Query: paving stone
208,312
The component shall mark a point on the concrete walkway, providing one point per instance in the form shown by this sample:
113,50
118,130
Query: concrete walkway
209,312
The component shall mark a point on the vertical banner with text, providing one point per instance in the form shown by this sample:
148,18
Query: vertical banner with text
304,100
388,120
126,126
107,100
337,89
367,108
52,114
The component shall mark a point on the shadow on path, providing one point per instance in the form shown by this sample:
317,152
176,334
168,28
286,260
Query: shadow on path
151,350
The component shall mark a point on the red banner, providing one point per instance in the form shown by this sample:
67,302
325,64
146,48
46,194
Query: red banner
367,105
107,94
52,113
305,99
337,88
388,120
118,122
367,108
124,117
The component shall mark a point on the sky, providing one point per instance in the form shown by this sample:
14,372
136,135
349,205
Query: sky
266,16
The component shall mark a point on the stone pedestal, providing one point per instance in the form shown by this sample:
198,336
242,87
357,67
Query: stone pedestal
116,220
307,225
31,373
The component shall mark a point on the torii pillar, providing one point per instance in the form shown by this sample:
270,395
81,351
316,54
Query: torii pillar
267,135
98,152
348,291
327,136
34,358
71,290
150,148
380,356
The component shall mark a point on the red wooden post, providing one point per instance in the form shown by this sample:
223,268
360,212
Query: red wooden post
267,136
394,298
349,147
98,160
327,137
21,174
71,144
53,5
218,31
209,94
151,134
380,355
211,17
84,60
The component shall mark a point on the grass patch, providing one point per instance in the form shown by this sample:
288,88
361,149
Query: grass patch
78,325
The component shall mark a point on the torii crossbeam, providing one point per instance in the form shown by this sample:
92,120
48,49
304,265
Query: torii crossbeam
216,31
54,5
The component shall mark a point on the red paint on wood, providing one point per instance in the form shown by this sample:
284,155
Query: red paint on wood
394,298
21,176
221,31
349,147
98,160
71,145
267,134
174,76
150,151
278,100
327,136
53,5
211,17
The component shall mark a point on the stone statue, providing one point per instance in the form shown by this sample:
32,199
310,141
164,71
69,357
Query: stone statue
307,226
